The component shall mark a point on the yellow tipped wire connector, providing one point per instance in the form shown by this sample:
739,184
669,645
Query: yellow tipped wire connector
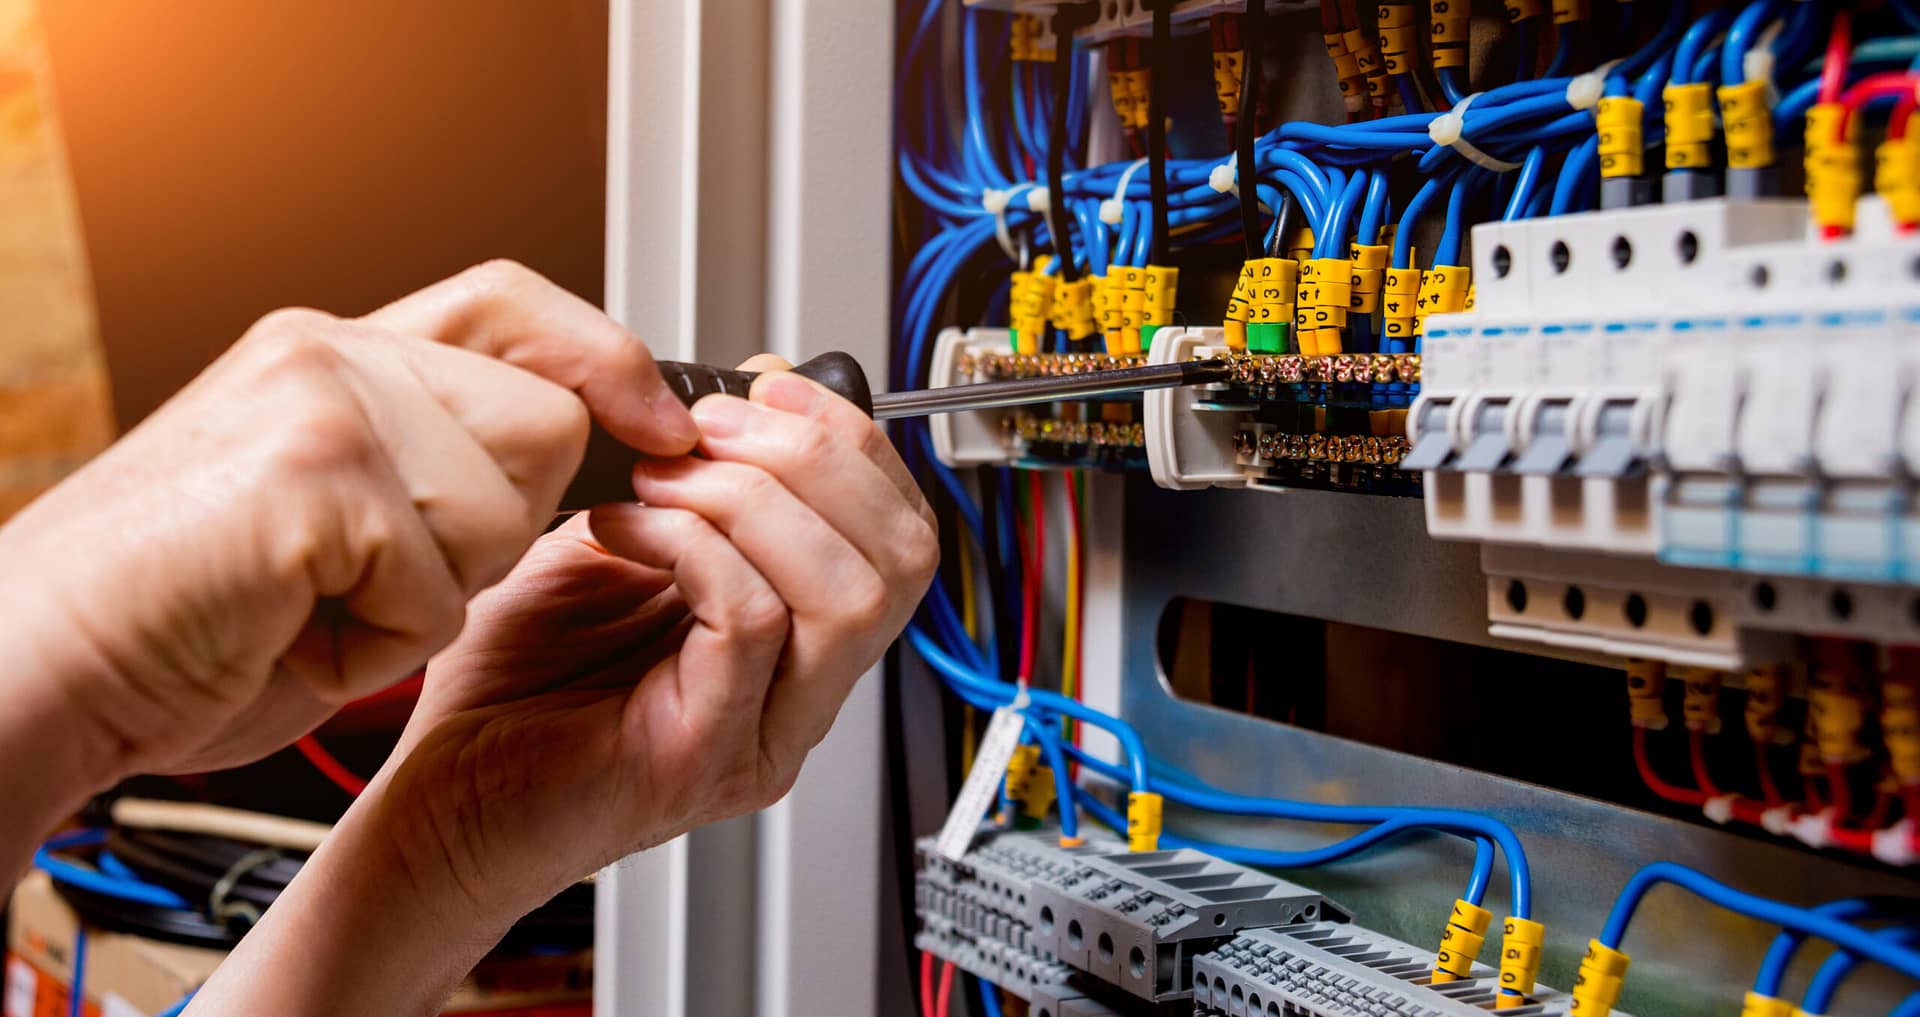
1619,120
1020,770
1325,296
1144,810
1833,167
1757,1005
1072,310
1747,120
1520,943
1444,289
1900,728
1024,41
1896,174
1766,694
1160,289
1272,287
1645,708
1597,987
1398,38
1460,942
1346,68
1700,706
1689,126
1030,306
1400,311
1038,800
1452,28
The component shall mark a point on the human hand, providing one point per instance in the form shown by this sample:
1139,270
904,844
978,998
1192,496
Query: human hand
653,667
306,521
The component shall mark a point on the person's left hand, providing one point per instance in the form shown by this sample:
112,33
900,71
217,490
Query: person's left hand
664,665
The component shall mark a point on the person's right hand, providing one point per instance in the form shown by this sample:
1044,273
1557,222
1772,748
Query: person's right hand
305,523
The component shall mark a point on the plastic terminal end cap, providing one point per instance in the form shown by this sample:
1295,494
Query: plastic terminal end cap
1896,845
1719,808
1777,820
1815,830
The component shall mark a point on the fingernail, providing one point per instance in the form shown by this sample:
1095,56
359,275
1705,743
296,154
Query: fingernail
724,416
790,392
672,416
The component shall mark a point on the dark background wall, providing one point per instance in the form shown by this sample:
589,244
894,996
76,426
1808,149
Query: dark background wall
234,156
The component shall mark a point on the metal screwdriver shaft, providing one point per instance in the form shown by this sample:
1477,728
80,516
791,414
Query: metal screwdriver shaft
993,395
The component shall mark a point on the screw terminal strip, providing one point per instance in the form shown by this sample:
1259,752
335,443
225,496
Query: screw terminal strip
1328,970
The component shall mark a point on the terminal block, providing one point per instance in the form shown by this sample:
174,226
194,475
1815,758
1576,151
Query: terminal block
975,912
1684,431
1118,18
1283,420
1101,433
1322,969
1137,920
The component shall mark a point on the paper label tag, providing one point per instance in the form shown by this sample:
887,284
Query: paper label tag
983,783
21,986
117,1006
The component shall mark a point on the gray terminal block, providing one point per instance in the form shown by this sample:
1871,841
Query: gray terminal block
1324,969
1064,1000
1137,920
975,911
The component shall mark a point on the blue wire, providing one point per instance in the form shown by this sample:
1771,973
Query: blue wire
1331,240
1696,40
1733,53
1812,923
1447,251
1373,214
1773,967
1562,53
989,998
176,1009
1451,820
1908,13
1045,733
1477,882
45,859
1573,181
1450,85
1524,185
1835,969
1403,237
1909,1007
77,997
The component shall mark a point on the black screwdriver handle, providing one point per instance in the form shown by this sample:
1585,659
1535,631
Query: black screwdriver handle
606,473
838,371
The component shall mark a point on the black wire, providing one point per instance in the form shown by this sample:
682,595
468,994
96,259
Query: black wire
1282,222
1004,626
1249,114
1160,68
1064,24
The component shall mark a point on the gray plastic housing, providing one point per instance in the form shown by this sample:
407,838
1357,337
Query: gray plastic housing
1328,970
976,912
1137,920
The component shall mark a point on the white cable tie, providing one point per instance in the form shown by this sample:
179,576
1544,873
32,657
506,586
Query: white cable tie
1114,209
1814,829
1225,178
1719,808
1896,845
1584,91
996,201
1778,820
1038,201
1020,698
1758,63
1446,129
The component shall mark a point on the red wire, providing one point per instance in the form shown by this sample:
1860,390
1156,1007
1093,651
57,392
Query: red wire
1869,88
1842,793
1882,808
1036,575
1833,73
926,984
1670,792
940,1006
1697,755
329,767
1910,802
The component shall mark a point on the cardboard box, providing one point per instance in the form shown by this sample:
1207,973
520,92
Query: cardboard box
127,976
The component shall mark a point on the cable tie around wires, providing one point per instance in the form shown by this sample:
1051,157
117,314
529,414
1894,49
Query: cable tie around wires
1584,90
1114,209
1778,820
1446,129
1225,178
995,201
226,910
1758,62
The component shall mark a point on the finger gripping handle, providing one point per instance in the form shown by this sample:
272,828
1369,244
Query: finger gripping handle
836,371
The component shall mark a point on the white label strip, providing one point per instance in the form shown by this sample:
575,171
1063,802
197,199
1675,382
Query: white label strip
983,783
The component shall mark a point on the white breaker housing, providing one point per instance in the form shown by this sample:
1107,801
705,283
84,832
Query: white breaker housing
1682,431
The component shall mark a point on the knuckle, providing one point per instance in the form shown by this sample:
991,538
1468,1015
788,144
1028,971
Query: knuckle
761,616
295,341
323,432
920,555
868,604
501,277
809,443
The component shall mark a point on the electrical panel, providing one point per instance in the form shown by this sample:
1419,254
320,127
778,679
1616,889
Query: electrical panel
1568,349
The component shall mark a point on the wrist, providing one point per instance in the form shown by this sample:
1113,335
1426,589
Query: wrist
48,738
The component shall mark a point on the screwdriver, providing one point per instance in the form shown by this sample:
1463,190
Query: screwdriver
605,474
